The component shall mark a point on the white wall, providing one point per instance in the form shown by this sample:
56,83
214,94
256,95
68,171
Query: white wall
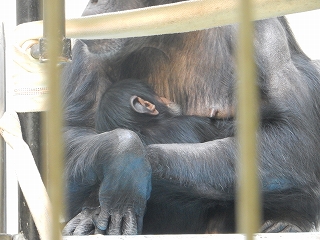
306,27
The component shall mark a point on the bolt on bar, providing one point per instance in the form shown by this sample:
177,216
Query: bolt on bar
54,32
248,191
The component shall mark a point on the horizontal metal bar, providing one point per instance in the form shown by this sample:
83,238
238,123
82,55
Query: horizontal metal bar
171,18
263,236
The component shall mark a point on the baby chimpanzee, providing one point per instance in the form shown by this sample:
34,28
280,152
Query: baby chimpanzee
132,104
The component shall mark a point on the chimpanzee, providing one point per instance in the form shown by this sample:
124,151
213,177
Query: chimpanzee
132,104
193,184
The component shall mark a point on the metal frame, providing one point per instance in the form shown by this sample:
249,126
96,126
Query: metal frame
54,32
28,11
3,222
248,199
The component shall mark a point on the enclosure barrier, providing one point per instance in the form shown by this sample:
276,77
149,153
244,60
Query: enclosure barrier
264,236
189,16
248,200
28,11
2,146
54,31
27,173
171,18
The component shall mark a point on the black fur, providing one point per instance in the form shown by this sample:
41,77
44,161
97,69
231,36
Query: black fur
192,184
114,111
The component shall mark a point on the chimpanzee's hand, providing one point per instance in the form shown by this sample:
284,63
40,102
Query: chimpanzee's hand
82,224
123,196
123,176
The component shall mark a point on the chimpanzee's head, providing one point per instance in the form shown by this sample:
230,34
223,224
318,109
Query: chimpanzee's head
132,104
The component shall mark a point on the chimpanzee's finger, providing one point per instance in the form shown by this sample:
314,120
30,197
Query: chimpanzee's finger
98,231
85,227
71,225
102,220
139,224
129,225
115,224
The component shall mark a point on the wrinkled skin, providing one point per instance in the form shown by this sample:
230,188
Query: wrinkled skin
192,184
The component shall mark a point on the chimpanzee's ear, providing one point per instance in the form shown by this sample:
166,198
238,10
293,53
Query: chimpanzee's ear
142,106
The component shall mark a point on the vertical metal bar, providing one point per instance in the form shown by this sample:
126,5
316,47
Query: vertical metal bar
3,212
248,194
27,11
54,31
